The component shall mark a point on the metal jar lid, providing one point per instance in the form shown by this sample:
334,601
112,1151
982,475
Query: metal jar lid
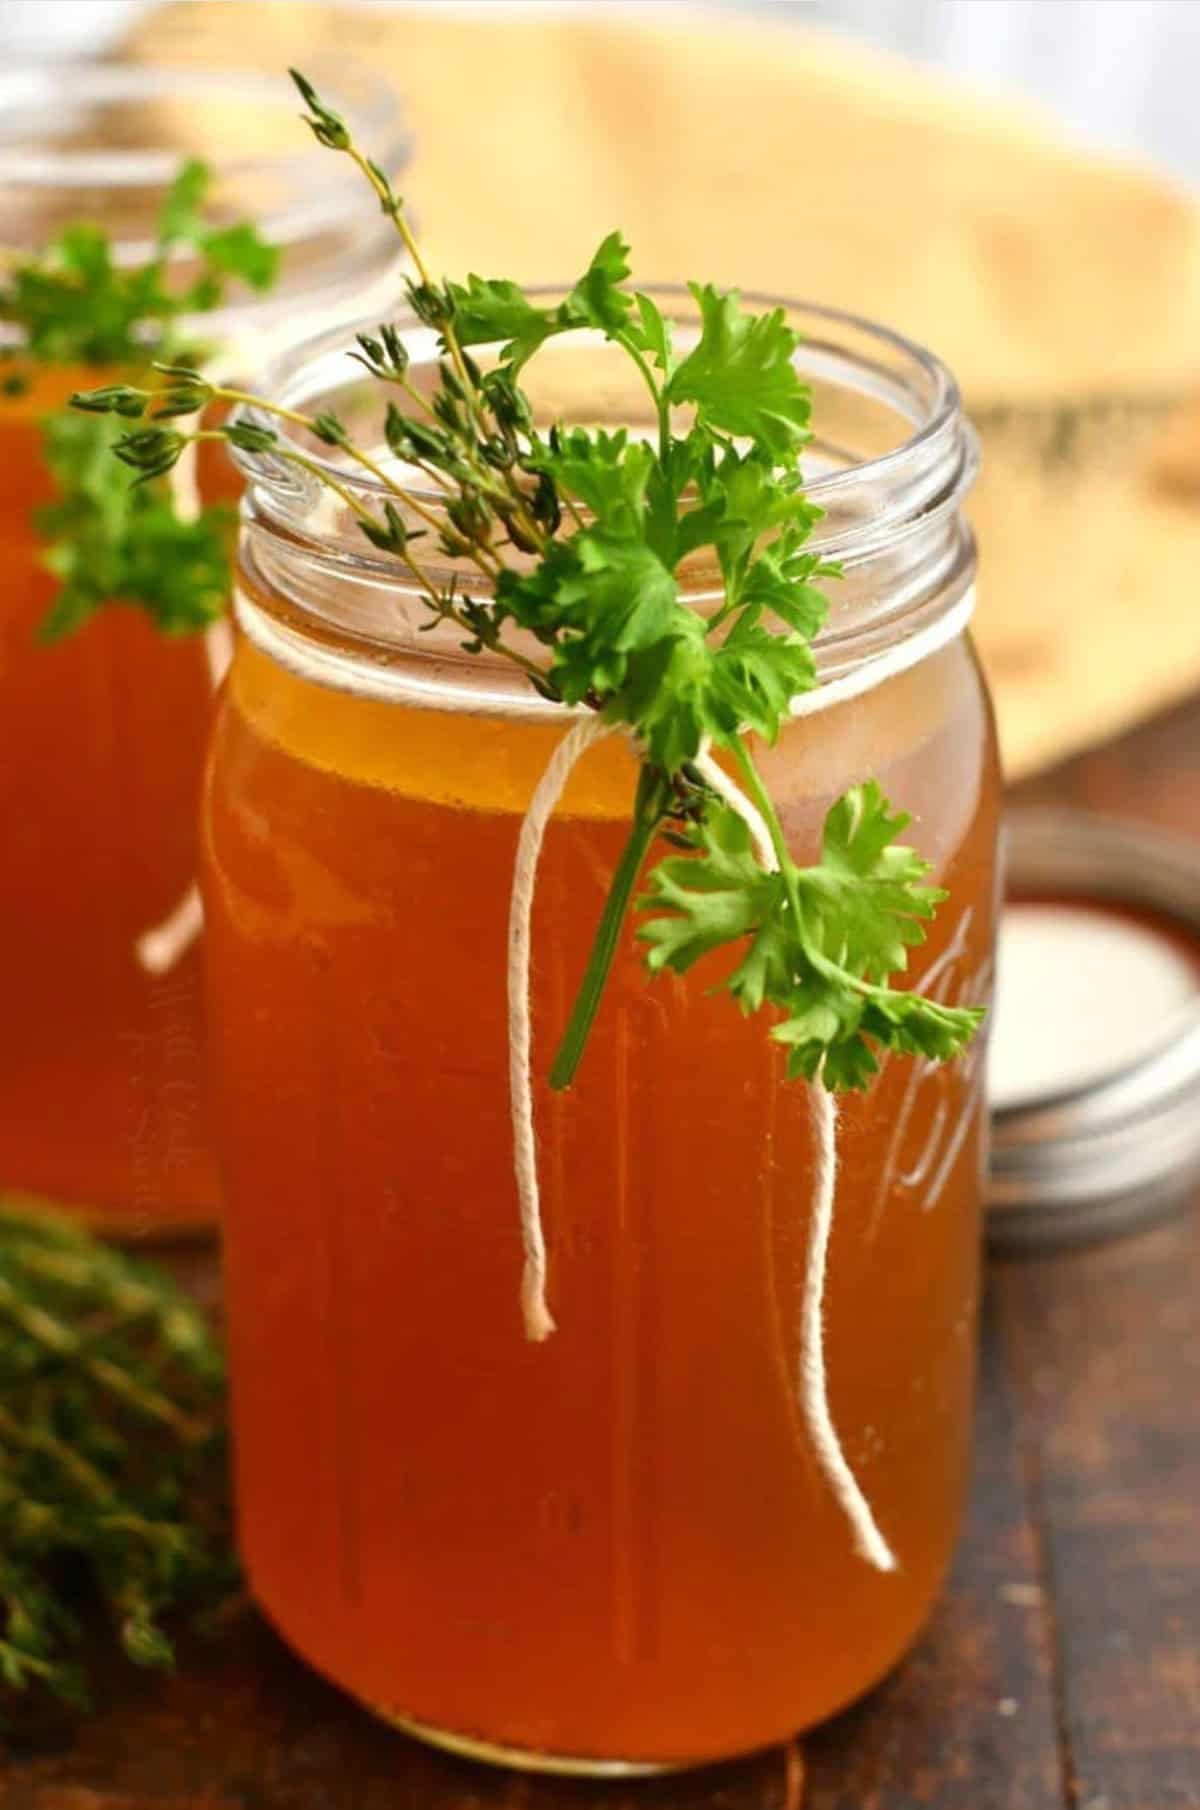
1114,1151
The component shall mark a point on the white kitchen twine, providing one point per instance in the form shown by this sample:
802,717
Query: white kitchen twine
581,736
539,1323
330,669
814,1383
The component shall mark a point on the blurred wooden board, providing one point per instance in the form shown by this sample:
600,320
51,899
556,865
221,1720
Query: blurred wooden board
746,151
1061,1671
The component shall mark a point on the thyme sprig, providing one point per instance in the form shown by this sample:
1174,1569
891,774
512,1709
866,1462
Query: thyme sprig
112,1456
579,536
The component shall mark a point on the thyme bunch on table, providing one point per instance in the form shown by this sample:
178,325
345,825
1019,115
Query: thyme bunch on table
75,305
112,1457
575,537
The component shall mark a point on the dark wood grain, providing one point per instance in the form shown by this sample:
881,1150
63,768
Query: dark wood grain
970,1720
1105,1350
1061,1670
1152,775
244,1726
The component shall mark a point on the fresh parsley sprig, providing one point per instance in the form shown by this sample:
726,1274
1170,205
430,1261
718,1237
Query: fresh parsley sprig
819,943
579,536
76,306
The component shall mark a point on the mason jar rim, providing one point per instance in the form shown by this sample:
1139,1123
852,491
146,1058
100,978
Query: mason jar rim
280,381
366,98
892,521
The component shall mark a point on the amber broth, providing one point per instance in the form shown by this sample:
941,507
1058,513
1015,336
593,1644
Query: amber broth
617,1543
102,1105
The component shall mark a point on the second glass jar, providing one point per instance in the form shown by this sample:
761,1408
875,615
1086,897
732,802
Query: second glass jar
103,1106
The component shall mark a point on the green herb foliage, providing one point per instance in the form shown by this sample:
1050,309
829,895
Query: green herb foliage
576,537
110,540
113,1448
76,306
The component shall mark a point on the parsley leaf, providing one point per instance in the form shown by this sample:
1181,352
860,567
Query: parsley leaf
708,899
655,336
598,300
822,941
180,220
668,694
606,472
779,580
742,377
485,310
756,674
744,499
111,542
868,893
594,600
75,305
239,251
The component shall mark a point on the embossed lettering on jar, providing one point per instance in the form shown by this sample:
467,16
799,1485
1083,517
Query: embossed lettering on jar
615,1549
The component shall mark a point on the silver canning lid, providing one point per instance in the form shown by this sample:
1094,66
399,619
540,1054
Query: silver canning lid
1114,1150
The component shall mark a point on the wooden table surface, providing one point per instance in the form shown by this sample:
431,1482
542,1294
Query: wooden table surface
1062,1671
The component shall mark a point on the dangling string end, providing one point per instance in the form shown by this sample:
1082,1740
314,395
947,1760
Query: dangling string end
539,1322
869,1543
159,949
871,1546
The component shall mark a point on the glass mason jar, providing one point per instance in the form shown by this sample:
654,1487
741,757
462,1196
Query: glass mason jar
101,735
615,1550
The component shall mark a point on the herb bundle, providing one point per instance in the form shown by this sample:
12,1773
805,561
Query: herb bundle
576,537
75,306
112,1455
